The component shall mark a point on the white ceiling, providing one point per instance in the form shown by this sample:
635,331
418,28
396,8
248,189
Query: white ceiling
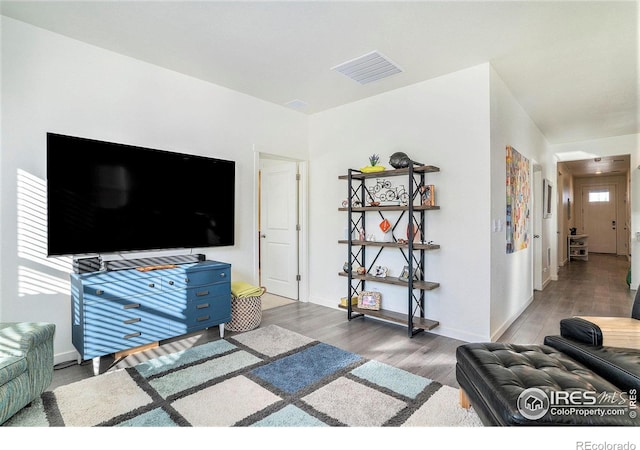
605,166
573,65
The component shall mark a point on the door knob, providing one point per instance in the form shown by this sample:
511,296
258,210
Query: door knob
537,236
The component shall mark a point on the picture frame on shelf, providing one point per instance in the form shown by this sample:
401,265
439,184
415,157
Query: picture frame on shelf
404,275
427,194
369,300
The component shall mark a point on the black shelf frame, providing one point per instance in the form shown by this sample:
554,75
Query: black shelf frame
414,252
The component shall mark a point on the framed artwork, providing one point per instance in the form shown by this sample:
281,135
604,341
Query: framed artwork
547,192
404,275
518,200
369,300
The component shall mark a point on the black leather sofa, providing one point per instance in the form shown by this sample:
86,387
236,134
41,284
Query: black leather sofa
495,377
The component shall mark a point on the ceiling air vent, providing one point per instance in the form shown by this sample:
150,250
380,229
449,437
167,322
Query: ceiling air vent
367,68
297,104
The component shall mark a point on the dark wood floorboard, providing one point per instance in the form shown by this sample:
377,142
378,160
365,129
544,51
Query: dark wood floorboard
594,287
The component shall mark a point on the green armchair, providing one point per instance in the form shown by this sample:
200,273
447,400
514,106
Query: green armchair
26,364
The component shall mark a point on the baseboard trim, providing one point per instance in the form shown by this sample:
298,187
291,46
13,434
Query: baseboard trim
507,323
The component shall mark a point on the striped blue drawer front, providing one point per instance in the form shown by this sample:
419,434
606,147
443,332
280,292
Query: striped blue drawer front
105,334
205,314
183,279
108,291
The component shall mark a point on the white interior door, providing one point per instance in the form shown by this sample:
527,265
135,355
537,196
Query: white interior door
599,217
278,228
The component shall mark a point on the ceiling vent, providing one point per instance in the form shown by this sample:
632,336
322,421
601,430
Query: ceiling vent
297,104
367,68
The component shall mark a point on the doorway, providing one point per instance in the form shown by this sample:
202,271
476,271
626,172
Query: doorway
599,217
279,226
598,203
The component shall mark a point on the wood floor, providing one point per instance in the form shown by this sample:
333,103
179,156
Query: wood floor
594,287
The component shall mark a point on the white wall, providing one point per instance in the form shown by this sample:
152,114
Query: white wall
512,274
618,145
443,122
54,84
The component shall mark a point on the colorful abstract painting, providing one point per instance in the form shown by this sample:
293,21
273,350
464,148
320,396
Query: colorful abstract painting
518,192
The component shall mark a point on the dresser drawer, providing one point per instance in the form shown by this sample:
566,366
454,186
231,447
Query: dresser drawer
201,277
105,333
211,290
191,278
129,288
205,313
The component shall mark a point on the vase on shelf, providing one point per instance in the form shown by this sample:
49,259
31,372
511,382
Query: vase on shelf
373,165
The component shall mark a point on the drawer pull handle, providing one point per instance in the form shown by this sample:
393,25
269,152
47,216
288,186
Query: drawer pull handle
130,321
131,306
132,335
152,285
202,318
222,274
171,283
186,280
202,306
99,292
202,293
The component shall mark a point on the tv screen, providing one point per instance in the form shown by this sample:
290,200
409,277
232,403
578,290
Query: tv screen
104,197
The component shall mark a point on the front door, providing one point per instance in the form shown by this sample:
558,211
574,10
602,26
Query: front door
278,228
599,216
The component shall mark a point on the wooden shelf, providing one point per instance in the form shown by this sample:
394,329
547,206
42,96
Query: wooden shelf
388,208
578,246
392,316
390,173
416,245
417,284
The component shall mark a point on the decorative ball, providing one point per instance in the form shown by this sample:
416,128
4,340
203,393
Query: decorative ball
399,160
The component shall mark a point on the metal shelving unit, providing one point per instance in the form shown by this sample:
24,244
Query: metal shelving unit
359,196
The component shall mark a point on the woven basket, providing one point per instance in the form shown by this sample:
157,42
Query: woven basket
246,313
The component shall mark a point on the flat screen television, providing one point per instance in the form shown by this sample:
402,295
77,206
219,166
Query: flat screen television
104,197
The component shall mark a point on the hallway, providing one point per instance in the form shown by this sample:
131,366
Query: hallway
596,287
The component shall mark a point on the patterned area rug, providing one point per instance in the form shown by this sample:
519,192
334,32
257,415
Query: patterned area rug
268,377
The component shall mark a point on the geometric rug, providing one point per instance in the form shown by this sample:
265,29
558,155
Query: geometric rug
267,377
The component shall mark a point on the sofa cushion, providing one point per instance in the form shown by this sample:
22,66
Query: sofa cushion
493,375
19,337
11,367
581,330
619,365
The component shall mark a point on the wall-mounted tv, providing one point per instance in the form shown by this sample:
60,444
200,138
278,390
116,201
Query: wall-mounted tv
104,197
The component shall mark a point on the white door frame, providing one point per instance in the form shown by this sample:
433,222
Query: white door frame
537,210
303,245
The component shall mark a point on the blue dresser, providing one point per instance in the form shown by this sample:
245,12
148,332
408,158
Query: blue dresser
118,310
